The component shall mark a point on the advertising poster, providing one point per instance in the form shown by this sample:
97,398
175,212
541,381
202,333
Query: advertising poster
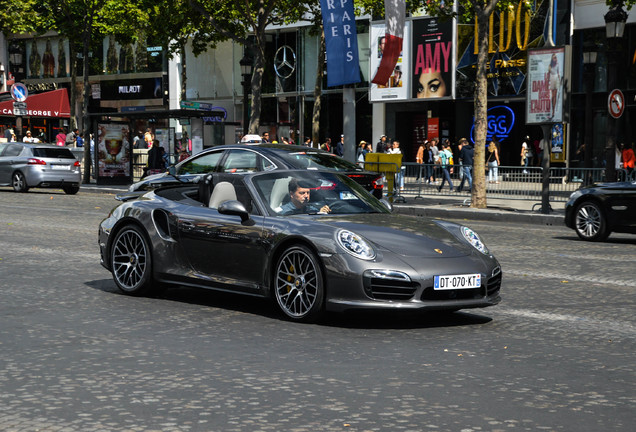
545,86
113,150
432,59
397,86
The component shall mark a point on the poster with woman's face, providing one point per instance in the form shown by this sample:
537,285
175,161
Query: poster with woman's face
432,59
113,150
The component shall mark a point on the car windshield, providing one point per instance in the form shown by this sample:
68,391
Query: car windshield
307,192
308,159
52,152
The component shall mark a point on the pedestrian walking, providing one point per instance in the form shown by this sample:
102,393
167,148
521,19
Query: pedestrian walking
466,156
446,162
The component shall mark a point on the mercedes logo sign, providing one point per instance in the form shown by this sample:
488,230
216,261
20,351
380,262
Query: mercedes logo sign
285,61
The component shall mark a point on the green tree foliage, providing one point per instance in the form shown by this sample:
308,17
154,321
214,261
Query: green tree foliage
245,21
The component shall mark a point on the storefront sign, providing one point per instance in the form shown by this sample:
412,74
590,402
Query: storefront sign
511,31
501,120
144,88
341,41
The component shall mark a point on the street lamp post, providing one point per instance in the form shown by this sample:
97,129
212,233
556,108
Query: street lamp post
589,63
615,20
246,73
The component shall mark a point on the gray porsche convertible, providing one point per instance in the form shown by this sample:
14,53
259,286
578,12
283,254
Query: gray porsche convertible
311,240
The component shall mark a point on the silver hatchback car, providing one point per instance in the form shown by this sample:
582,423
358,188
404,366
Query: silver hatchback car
28,165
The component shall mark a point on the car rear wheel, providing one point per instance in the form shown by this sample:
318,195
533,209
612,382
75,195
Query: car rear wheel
298,284
18,182
590,222
131,261
71,190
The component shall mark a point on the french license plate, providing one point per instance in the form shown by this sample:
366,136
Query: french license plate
61,167
452,282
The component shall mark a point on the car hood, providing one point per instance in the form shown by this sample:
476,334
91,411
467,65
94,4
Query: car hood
406,236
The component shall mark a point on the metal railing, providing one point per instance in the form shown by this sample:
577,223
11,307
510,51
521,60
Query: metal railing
509,182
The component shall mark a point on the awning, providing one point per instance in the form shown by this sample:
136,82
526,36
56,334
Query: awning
49,104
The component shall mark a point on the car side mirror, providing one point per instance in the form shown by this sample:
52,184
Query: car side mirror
236,208
387,204
172,171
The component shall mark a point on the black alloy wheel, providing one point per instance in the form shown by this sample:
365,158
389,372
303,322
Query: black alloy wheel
18,181
298,284
131,261
590,222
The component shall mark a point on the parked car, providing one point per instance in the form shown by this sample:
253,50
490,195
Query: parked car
256,157
30,165
337,249
596,211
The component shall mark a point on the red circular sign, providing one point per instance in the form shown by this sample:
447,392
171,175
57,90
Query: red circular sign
616,103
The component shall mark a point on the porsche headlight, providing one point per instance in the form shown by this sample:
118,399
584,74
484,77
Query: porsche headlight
355,245
473,238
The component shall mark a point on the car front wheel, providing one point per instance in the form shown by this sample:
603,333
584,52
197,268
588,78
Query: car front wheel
19,182
298,284
131,261
590,222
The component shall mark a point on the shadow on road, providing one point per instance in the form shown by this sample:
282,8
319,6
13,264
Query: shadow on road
267,308
612,239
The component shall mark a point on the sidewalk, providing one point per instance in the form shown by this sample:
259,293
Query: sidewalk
443,207
507,210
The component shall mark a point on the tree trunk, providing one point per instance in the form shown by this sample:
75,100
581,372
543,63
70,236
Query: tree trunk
257,80
73,91
315,119
478,194
85,117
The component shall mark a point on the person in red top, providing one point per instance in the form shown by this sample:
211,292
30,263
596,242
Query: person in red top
628,158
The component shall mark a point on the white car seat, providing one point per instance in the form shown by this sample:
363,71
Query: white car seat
223,191
279,191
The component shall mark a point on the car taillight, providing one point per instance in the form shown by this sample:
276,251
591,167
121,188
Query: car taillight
378,183
77,164
34,161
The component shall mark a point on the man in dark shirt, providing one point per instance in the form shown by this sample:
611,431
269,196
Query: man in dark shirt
466,156
299,193
340,146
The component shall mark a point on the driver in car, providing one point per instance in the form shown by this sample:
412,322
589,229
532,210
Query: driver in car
299,193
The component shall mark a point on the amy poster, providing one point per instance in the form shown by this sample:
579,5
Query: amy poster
432,59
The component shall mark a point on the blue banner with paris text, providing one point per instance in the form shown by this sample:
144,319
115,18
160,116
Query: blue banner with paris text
341,41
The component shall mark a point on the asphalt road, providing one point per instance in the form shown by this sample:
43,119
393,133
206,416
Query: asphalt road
558,354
